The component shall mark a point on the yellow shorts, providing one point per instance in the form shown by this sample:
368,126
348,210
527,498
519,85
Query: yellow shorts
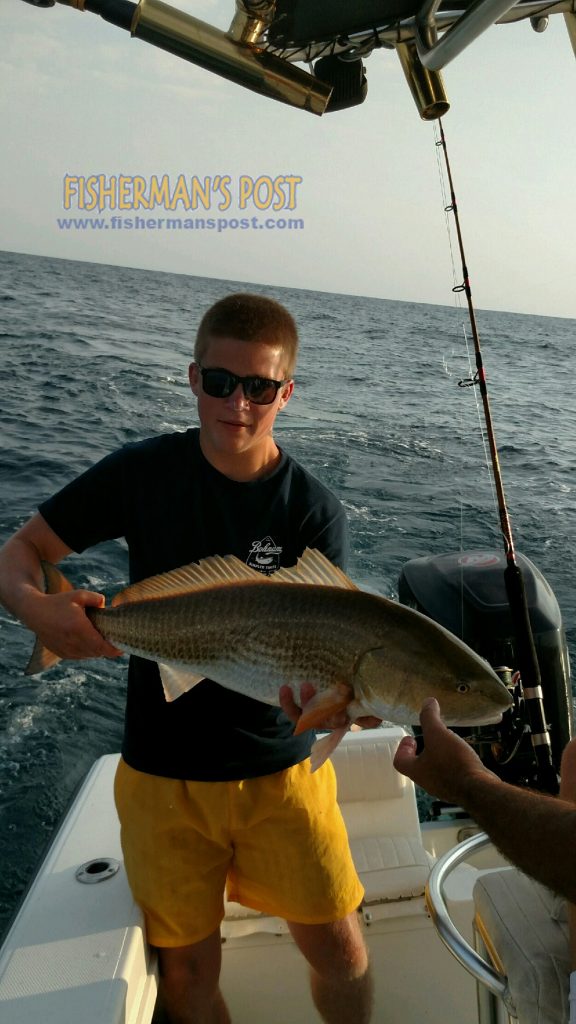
276,843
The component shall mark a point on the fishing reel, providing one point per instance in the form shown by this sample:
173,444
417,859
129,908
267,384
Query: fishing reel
506,748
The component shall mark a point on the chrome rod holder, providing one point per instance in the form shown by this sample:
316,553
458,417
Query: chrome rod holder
245,64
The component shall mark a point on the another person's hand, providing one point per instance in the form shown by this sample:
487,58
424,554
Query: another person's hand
568,773
446,764
340,720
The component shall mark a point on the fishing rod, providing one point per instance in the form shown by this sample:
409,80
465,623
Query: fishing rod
525,649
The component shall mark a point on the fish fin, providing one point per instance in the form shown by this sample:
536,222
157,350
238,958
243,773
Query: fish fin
314,567
55,581
189,578
177,681
323,748
321,706
40,659
357,709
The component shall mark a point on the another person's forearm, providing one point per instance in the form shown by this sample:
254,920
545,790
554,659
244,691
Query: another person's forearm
535,832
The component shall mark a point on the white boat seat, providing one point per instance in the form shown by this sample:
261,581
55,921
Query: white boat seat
379,808
390,868
524,927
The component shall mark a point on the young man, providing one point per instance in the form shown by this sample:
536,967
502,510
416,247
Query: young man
214,788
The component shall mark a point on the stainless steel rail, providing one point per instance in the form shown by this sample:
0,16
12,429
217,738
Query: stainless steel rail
436,53
362,43
451,937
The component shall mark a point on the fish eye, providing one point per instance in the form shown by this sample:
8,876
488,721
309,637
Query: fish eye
463,687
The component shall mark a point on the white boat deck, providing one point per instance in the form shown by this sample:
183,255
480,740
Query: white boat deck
77,952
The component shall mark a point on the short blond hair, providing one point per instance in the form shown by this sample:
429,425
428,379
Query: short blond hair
248,318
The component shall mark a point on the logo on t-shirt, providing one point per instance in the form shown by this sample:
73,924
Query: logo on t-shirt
264,555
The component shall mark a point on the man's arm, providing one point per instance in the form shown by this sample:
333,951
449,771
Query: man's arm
535,832
59,620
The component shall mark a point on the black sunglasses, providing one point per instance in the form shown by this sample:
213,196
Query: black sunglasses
221,384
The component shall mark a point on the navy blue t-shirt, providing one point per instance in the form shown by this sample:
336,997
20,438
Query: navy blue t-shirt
173,507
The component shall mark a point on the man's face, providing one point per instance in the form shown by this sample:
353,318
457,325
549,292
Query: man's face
234,426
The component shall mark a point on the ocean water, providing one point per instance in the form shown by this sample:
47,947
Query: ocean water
93,356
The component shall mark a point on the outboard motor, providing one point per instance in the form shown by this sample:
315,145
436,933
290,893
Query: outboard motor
466,594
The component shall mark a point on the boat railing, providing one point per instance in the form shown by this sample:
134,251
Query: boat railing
457,945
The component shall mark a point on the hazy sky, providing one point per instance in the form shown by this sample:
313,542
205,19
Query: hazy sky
79,97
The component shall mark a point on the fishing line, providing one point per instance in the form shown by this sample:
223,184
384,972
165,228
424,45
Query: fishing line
457,291
458,303
447,371
525,649
463,426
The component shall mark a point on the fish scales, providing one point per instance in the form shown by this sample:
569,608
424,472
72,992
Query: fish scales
309,623
271,635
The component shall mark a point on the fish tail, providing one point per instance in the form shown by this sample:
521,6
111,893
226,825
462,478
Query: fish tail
41,659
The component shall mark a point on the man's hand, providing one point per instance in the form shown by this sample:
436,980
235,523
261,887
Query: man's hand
61,624
59,620
446,765
339,720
